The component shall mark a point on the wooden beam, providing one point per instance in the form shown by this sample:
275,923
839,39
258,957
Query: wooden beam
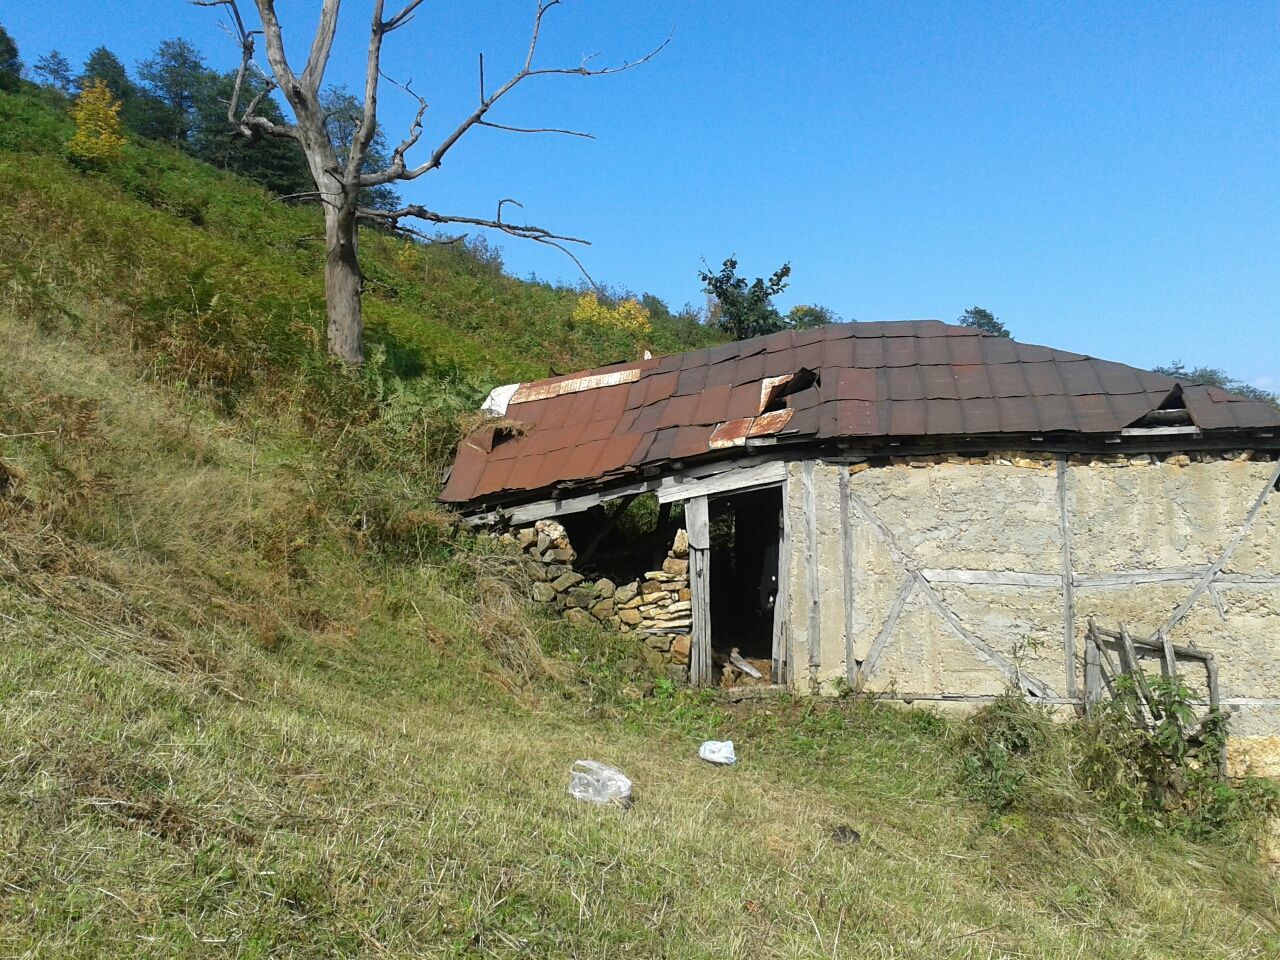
868,666
1092,674
782,601
1216,567
813,634
697,524
1191,431
734,480
994,578
1068,592
847,573
1125,578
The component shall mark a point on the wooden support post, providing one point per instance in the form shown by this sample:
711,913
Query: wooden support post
813,633
782,601
847,574
697,523
1092,674
1168,662
1132,665
1068,589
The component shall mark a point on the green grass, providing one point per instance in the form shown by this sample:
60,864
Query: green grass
259,699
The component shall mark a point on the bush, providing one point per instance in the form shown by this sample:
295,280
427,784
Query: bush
1016,757
99,136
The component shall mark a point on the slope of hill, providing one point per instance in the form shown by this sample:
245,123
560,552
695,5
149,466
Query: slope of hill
258,698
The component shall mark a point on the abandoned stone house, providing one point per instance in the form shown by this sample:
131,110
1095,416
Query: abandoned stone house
914,509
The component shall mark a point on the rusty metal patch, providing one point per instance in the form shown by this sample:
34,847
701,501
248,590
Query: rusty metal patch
544,390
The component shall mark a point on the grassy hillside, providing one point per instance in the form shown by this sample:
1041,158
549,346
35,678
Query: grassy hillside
258,698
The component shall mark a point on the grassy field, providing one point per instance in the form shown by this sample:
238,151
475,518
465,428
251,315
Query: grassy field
258,698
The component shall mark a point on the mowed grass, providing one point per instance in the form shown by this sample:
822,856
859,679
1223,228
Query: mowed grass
358,778
259,699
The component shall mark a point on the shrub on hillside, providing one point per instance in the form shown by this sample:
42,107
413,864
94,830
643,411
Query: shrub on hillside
99,136
1017,757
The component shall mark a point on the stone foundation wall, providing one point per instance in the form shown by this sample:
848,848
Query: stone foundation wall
655,609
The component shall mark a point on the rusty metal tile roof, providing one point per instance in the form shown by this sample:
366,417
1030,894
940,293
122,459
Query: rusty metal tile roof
877,382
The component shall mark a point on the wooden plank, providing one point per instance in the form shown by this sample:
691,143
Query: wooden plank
1216,567
1068,595
546,509
1168,660
1133,666
782,601
1211,668
993,578
868,665
1026,681
996,659
1126,578
1247,580
697,525
847,574
1092,674
734,480
1217,602
1160,431
813,634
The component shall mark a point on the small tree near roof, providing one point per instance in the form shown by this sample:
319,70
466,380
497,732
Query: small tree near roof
746,309
984,320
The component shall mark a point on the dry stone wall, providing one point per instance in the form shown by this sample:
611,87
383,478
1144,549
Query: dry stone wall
655,610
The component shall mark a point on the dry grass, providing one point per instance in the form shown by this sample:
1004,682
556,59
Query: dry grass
257,700
213,744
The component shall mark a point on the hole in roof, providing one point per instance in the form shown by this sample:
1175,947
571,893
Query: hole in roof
1172,412
783,387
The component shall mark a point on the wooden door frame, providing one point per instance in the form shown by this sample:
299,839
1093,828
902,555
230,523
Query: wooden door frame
697,518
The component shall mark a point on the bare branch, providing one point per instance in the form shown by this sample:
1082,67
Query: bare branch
567,133
391,219
398,168
318,59
368,126
508,200
248,123
403,17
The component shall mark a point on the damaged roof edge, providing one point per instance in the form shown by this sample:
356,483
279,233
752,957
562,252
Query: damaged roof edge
870,384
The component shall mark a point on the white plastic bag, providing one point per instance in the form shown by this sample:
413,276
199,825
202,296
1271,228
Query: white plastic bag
718,751
597,782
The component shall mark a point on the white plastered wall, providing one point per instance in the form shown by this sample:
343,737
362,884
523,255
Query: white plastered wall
955,588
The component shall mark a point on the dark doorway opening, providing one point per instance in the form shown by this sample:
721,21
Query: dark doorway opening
744,534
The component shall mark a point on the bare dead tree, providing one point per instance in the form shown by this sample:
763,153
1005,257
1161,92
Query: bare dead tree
338,169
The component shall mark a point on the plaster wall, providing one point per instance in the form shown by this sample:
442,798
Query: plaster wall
978,551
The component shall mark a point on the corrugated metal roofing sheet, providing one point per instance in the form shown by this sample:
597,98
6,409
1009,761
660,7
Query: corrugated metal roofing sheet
876,381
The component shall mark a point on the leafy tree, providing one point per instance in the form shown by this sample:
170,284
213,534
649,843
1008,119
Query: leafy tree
10,63
1215,377
99,136
176,81
342,116
276,163
104,65
627,315
806,315
56,71
745,309
983,320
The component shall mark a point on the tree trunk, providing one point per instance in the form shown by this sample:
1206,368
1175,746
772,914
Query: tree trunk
342,282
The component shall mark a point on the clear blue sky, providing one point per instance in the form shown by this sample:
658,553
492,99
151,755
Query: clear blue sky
1103,176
